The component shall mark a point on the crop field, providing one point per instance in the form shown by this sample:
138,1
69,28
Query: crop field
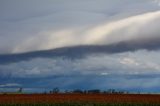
79,100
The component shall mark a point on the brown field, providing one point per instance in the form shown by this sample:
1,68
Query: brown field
94,98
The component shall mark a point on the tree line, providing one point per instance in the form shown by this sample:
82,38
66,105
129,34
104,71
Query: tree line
91,91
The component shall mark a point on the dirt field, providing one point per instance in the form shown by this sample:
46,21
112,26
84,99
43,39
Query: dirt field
93,98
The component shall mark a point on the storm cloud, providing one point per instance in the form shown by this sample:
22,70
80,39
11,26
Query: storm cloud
77,52
106,29
128,63
80,42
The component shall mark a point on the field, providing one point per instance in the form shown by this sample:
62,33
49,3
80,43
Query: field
79,100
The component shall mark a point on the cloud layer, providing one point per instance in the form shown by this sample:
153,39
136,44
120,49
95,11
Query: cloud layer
131,28
102,43
108,27
129,63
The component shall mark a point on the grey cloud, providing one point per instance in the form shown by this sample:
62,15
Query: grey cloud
102,43
77,52
129,63
137,71
22,9
128,29
59,23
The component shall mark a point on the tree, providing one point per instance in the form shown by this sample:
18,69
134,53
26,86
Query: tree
55,90
20,90
94,91
77,91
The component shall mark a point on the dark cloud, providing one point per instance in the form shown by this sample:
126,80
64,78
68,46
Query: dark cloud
76,52
132,83
101,43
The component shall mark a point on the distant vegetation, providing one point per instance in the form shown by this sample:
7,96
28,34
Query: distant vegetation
91,91
56,90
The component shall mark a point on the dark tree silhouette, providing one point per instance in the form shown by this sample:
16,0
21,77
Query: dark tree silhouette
55,90
20,90
77,91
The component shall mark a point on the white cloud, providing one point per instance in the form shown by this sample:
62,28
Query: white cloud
129,61
104,73
59,23
10,85
122,30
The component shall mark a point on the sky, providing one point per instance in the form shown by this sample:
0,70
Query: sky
80,44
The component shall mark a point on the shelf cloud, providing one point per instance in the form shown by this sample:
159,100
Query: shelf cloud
105,29
112,33
116,41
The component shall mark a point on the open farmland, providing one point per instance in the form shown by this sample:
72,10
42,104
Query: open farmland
80,99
